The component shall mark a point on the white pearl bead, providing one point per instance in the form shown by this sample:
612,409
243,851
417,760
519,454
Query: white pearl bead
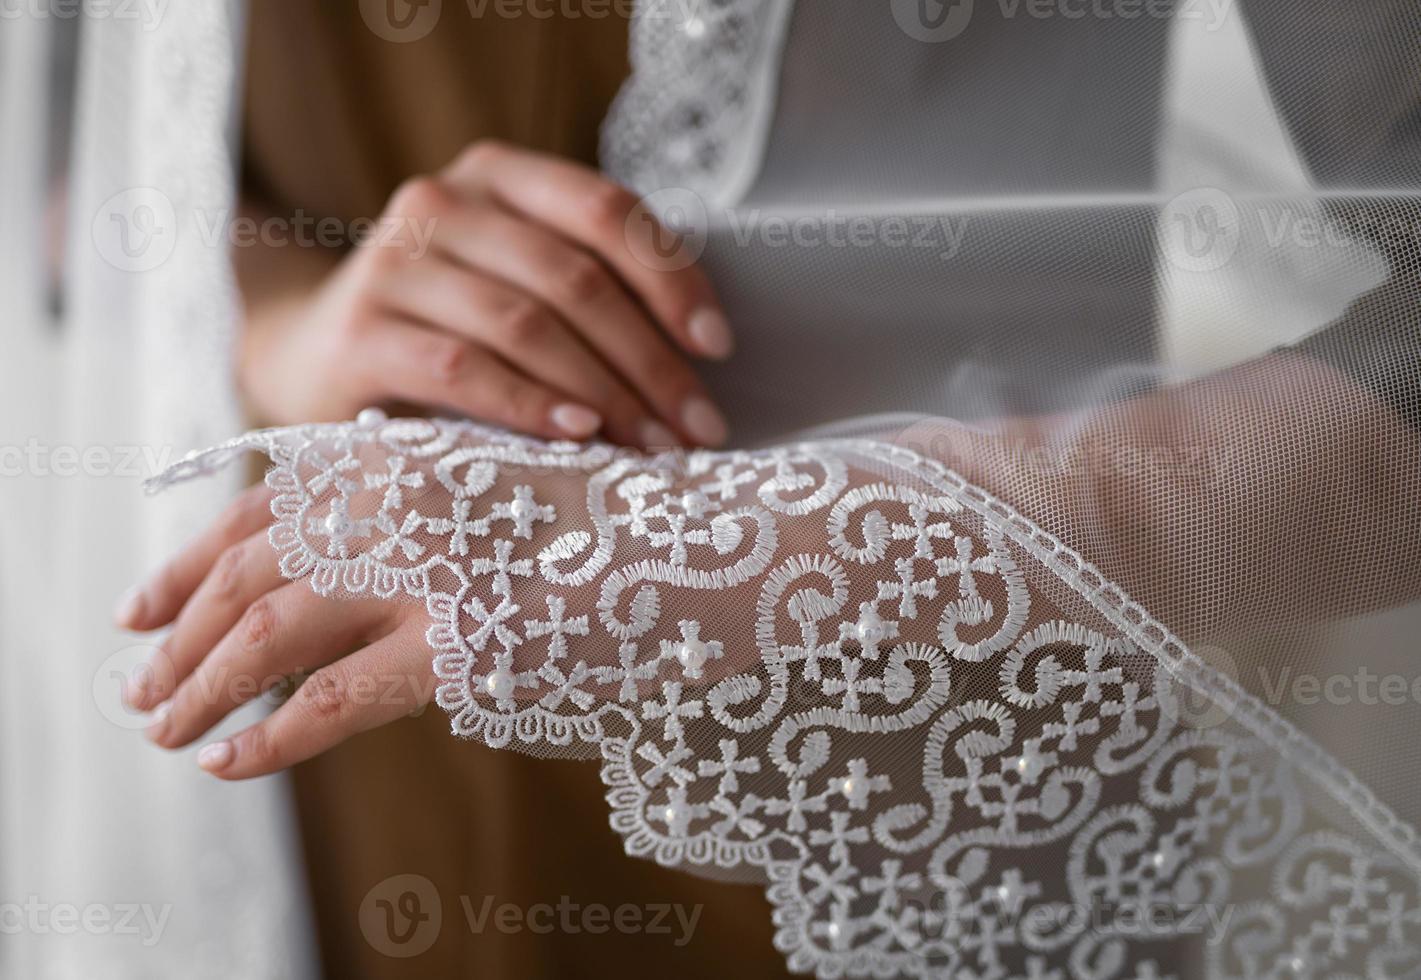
695,28
848,787
369,418
500,684
338,525
522,508
693,654
1157,859
870,631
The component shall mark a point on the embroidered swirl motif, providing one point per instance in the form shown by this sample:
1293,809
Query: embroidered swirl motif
946,744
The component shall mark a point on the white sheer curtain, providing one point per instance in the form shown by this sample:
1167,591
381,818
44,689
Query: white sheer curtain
184,878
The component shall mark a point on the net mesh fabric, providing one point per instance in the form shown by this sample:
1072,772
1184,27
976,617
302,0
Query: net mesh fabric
838,667
1141,296
1115,205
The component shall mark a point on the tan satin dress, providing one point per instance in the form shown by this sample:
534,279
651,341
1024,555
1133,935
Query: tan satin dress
336,117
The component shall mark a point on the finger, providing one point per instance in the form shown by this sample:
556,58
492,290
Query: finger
378,685
527,334
289,631
242,574
593,211
588,295
156,601
421,364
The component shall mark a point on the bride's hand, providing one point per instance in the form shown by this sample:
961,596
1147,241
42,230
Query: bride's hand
242,629
530,309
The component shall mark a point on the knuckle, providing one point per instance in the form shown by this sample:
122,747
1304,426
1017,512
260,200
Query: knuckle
580,279
325,695
524,323
258,626
450,359
227,573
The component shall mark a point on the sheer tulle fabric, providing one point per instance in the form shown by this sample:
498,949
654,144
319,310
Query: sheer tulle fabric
944,740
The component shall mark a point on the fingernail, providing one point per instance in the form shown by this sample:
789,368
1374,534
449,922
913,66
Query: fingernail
656,436
577,421
129,610
704,422
160,720
135,688
215,757
711,333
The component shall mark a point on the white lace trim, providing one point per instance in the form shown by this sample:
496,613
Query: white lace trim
1047,746
696,111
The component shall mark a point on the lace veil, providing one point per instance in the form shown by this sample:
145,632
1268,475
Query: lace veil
1059,617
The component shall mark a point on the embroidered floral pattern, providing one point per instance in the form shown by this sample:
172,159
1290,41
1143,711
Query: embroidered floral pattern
946,744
